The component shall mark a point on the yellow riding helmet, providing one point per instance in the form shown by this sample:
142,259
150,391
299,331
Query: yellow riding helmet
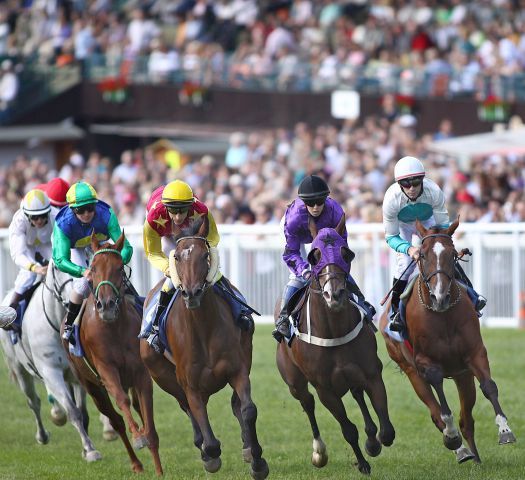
177,193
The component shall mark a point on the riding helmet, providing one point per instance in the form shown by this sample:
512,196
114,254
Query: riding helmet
313,187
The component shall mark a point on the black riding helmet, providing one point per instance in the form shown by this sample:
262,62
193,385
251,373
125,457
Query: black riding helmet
313,187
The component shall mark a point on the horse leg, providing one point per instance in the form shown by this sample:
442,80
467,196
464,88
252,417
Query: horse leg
103,403
136,403
56,385
433,374
108,432
336,407
372,445
467,398
79,395
298,386
143,393
211,447
162,371
375,389
236,409
26,383
241,385
479,365
58,414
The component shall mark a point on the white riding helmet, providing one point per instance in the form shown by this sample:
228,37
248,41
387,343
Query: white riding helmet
36,202
408,167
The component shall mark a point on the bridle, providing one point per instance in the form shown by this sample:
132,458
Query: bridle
205,284
426,277
329,276
116,290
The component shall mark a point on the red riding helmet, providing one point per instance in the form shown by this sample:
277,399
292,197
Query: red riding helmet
56,190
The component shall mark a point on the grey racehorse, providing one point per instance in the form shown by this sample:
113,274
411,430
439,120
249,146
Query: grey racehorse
39,354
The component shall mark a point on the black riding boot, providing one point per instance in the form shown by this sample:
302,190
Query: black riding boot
153,338
399,288
282,326
73,310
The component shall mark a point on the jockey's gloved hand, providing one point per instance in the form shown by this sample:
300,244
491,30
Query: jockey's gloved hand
307,274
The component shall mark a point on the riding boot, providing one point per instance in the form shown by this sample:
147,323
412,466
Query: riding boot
73,310
153,338
352,286
395,318
282,324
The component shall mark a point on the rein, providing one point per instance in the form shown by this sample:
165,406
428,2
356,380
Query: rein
426,278
56,291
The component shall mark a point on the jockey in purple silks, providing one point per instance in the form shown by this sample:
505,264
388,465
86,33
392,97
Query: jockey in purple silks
313,203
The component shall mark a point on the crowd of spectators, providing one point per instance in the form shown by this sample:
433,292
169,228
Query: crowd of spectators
258,176
448,46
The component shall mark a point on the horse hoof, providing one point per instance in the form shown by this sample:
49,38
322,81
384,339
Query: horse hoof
58,417
43,439
263,471
109,435
92,456
506,437
319,455
463,454
364,467
452,443
247,455
140,442
212,465
373,447
137,467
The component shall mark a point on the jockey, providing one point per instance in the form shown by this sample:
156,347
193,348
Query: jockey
412,197
30,243
83,215
313,204
175,204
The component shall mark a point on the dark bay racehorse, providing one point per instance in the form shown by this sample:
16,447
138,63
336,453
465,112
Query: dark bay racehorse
335,351
112,366
209,351
445,341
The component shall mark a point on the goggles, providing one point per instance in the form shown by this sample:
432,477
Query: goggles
90,208
411,182
312,202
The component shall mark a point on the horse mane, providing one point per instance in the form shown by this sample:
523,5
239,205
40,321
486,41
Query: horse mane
189,231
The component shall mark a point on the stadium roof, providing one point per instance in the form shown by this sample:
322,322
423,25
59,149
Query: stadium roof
46,132
482,144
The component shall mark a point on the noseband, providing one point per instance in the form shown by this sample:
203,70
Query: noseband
115,289
426,278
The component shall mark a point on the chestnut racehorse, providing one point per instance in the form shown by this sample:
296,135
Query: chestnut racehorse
445,341
112,366
336,351
206,351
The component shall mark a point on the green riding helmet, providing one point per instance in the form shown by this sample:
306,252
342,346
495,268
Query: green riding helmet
81,193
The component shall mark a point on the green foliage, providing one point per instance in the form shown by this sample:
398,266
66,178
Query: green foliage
283,429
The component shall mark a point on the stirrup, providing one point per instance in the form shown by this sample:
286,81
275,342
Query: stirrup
68,334
395,323
154,341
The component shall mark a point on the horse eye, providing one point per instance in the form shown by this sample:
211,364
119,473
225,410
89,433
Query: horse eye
176,257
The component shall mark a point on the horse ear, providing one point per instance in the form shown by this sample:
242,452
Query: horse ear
94,241
341,226
452,228
421,229
204,227
347,255
314,256
120,242
312,227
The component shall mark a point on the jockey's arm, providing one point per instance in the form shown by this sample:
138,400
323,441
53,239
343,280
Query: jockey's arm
292,256
115,231
213,234
153,249
62,254
392,233
18,248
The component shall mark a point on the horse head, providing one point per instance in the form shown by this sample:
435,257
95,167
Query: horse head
192,257
330,259
436,263
107,273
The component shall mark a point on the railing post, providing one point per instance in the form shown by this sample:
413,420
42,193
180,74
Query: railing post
516,280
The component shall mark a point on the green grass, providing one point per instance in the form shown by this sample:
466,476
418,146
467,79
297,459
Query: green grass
283,430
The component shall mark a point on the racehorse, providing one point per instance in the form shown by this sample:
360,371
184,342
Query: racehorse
335,351
209,351
444,340
111,364
39,354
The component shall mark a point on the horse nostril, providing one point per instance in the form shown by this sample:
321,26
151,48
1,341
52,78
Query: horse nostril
98,305
447,298
111,304
198,291
432,297
184,293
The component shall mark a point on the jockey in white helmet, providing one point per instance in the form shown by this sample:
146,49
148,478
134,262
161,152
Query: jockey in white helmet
30,244
413,197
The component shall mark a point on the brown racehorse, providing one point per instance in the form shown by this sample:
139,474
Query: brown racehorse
444,334
209,351
341,357
108,333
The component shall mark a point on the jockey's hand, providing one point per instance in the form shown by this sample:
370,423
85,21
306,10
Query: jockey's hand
40,270
307,274
414,253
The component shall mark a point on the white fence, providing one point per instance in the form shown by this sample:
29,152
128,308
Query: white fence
251,258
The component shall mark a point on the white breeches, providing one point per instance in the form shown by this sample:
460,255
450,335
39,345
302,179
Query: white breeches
26,279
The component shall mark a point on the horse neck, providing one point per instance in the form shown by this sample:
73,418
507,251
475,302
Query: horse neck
328,323
54,308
